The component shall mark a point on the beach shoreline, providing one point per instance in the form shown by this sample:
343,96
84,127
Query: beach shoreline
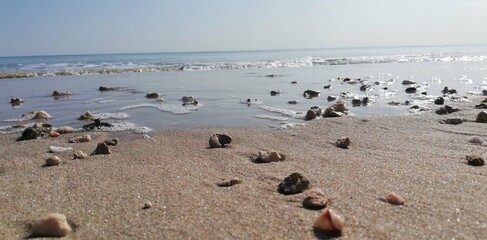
103,196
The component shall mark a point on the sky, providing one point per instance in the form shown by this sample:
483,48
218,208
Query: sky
56,27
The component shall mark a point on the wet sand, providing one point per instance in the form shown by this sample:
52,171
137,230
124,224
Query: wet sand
102,196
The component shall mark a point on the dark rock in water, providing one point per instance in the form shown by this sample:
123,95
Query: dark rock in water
475,160
441,111
331,98
454,121
327,86
294,183
313,113
274,93
365,101
439,101
447,90
294,82
424,93
56,93
152,95
16,101
219,140
293,102
482,117
408,82
330,112
411,90
414,107
450,109
481,106
271,75
364,87
311,94
97,123
356,102
484,92
36,131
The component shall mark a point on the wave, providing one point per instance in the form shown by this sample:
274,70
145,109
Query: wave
9,70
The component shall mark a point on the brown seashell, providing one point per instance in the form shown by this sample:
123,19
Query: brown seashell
395,199
80,155
228,182
294,183
267,157
102,148
315,200
329,222
53,225
80,139
214,142
343,143
147,205
340,107
112,142
152,95
53,161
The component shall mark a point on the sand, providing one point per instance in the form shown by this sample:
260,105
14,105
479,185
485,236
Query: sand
103,196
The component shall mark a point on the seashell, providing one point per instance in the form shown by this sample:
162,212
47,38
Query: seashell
330,112
482,117
293,102
147,205
112,142
80,139
80,155
65,129
343,143
53,161
267,157
53,225
340,107
395,199
294,183
454,121
228,182
311,94
86,116
188,99
329,222
152,95
475,160
331,98
450,109
101,148
54,134
315,199
55,149
214,142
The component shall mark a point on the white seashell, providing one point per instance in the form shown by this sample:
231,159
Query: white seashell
147,205
53,225
55,149
329,222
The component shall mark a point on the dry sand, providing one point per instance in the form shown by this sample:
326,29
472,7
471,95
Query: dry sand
103,196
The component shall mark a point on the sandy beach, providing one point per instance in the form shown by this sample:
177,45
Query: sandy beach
103,196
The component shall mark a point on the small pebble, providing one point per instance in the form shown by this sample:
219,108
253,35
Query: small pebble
65,129
475,160
482,117
294,183
53,225
112,142
315,199
147,205
80,139
80,155
53,161
343,143
395,199
228,182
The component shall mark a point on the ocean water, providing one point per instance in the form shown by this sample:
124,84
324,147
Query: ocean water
223,81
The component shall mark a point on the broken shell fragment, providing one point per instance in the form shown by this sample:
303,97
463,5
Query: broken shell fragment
53,225
315,200
219,140
228,182
53,161
54,134
147,205
80,139
395,199
102,148
329,222
267,157
80,155
111,142
343,143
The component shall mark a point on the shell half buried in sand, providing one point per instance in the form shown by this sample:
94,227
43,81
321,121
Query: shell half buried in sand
329,222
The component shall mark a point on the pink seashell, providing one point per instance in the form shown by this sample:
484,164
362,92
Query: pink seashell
54,134
395,199
329,222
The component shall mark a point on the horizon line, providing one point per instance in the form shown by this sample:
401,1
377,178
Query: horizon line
258,50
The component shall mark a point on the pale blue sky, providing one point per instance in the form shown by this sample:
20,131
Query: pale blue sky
40,27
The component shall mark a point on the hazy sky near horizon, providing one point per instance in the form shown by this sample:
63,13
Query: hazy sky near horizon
32,27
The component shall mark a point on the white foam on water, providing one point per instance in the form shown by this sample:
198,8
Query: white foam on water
122,126
172,108
252,102
283,111
273,118
119,116
6,129
287,125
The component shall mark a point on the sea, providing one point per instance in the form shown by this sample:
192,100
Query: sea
233,88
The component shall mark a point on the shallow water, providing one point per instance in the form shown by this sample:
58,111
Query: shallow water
223,94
